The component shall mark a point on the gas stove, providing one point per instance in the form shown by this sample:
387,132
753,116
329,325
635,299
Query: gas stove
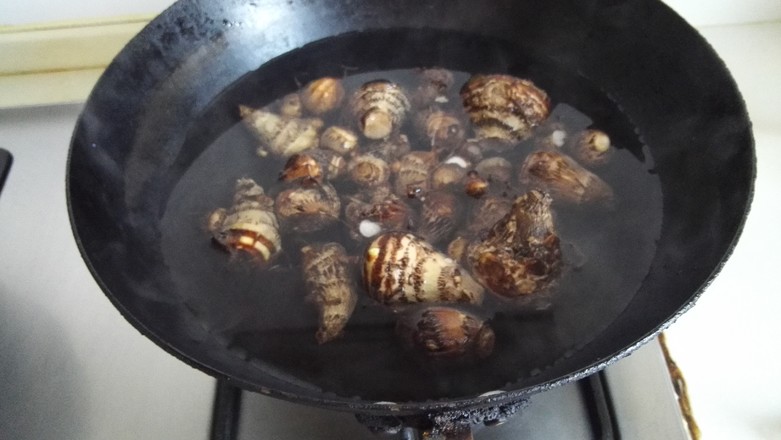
73,368
632,399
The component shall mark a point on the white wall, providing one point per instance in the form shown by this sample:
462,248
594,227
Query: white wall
36,11
715,12
697,12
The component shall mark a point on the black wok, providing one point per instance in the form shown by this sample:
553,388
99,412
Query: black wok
167,96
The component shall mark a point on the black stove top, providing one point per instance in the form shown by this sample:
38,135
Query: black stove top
580,410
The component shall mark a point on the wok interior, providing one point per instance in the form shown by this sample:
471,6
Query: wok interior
129,148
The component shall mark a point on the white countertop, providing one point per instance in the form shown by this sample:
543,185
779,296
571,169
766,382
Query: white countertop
71,367
724,345
727,345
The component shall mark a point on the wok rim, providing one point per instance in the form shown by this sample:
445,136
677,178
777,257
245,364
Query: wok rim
335,402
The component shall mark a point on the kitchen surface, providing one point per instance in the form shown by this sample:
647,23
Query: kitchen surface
73,368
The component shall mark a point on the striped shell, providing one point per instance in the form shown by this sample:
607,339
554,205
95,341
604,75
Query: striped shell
400,268
379,108
503,106
327,276
249,225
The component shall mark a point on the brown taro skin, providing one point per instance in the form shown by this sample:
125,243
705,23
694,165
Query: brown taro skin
413,178
326,272
368,170
440,215
433,88
308,208
279,135
445,333
315,165
504,107
301,167
390,149
564,178
495,169
322,95
591,147
486,213
521,255
475,185
379,108
444,131
249,225
381,208
446,175
340,140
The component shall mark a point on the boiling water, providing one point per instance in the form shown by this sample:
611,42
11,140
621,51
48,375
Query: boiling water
261,314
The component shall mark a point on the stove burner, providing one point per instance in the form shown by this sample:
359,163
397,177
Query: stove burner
445,422
593,390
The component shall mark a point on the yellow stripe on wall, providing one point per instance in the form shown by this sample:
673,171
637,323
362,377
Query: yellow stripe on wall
58,63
